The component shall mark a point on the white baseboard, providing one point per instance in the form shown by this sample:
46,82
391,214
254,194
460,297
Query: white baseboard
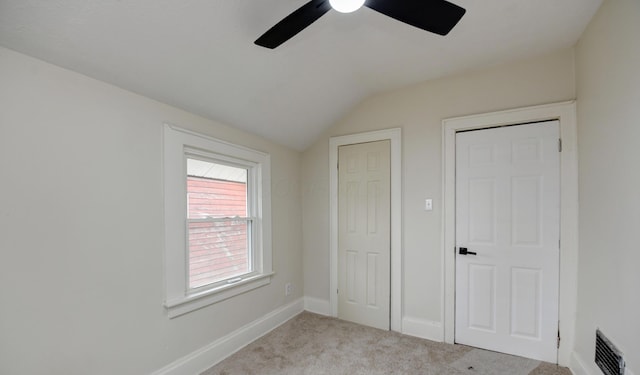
425,329
578,367
317,305
209,355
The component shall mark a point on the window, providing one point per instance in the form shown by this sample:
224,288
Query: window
217,220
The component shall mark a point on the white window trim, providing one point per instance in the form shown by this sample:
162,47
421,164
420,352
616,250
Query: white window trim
176,143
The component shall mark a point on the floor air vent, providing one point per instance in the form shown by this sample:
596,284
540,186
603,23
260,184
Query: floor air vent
608,357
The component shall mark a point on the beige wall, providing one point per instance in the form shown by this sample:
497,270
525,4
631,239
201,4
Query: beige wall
419,111
608,76
81,204
81,234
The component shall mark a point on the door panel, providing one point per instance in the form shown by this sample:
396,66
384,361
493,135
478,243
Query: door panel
507,211
364,250
525,302
482,297
482,211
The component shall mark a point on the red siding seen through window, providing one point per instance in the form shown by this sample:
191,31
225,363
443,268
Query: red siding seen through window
217,250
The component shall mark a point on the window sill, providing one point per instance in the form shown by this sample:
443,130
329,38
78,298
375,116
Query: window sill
186,304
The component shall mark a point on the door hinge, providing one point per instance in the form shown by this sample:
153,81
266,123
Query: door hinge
559,144
558,338
337,291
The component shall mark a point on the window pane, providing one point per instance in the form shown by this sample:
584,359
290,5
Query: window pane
217,251
215,190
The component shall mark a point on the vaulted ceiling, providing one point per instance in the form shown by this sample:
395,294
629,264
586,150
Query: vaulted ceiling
199,54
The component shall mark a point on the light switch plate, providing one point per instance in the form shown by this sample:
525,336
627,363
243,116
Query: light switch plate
428,204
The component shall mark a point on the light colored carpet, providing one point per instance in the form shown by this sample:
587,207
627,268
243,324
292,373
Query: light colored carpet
314,344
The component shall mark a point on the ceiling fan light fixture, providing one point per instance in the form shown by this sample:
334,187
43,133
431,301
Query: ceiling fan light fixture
435,16
346,6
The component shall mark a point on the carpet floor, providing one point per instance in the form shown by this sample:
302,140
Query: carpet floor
314,344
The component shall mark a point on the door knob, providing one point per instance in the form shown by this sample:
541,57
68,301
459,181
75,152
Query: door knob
464,251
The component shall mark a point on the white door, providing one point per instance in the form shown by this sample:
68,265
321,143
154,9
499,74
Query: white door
507,213
364,247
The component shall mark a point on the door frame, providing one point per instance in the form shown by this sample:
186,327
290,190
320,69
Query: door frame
395,137
565,113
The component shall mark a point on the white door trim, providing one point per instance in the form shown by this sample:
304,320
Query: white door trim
564,112
394,136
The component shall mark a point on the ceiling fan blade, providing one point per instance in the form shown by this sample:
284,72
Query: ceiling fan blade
436,16
293,23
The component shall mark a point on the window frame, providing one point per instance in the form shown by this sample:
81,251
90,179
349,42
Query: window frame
178,144
250,216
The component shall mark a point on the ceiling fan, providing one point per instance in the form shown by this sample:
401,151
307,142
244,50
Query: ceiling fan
436,16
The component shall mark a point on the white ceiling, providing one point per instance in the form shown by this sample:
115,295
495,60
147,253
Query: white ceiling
199,54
